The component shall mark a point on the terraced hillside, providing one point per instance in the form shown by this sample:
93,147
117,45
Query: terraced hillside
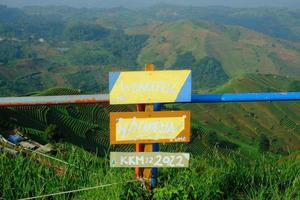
244,123
84,125
231,126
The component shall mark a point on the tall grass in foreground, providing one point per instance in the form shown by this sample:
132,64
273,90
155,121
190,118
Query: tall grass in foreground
210,176
215,177
22,177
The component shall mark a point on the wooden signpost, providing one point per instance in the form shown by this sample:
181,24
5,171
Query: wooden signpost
147,127
149,159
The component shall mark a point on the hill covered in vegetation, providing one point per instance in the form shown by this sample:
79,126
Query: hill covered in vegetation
239,50
45,47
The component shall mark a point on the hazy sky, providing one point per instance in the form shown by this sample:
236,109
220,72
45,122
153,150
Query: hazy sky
141,3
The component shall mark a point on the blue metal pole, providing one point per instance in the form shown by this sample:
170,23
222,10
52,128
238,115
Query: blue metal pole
155,148
245,97
229,97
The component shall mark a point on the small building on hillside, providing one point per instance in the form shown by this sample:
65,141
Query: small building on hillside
41,40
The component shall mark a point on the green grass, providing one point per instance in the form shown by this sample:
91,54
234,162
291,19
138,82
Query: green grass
216,177
210,176
24,176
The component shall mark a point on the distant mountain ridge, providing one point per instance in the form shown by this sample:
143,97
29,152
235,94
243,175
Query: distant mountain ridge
281,23
144,3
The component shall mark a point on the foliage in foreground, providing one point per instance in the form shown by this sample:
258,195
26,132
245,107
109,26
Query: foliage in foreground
25,177
231,178
211,176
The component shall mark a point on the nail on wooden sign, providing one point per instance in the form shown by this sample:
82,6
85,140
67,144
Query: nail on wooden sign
149,159
149,127
137,87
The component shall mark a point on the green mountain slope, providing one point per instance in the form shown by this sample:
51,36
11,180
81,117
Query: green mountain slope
239,50
74,48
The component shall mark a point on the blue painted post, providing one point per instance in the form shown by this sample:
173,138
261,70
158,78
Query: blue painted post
245,97
155,148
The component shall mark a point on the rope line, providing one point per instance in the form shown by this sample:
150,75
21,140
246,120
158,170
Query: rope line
50,157
78,190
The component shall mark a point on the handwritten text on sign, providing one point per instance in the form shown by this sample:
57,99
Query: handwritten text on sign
149,127
149,159
150,86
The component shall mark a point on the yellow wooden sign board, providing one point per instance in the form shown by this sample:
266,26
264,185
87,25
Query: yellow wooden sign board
149,159
138,87
149,127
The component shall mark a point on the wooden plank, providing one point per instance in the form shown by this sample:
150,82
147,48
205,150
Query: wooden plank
149,159
149,127
138,87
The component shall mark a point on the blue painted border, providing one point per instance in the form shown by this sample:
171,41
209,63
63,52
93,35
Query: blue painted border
185,94
113,77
